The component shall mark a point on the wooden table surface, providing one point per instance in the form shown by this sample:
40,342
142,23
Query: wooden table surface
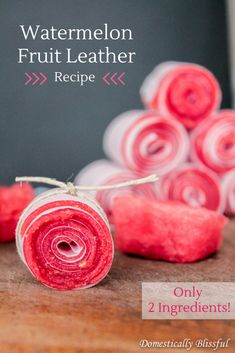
106,318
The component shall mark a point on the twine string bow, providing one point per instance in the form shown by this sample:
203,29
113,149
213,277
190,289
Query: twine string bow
75,189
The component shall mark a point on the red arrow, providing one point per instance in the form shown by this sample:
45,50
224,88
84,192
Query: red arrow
29,78
120,78
105,78
44,78
112,78
37,78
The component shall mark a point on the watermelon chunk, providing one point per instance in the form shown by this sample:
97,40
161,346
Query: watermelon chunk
13,200
168,231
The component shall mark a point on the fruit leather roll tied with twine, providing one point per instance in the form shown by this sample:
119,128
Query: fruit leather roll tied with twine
213,142
65,240
194,185
104,172
63,236
146,142
228,187
184,91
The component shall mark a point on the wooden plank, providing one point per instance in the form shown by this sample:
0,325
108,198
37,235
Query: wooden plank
106,318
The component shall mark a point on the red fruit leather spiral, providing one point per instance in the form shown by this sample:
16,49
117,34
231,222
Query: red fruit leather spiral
213,142
104,172
228,188
146,142
193,185
185,91
65,240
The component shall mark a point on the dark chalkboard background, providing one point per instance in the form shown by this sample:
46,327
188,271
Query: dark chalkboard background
54,130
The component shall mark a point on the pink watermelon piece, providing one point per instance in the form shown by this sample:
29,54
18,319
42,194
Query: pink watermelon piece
13,200
168,231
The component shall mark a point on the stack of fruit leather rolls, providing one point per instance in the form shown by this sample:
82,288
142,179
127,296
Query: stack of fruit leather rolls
182,136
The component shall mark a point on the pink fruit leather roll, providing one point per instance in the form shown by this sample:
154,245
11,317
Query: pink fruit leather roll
194,185
104,172
213,142
65,240
187,92
146,142
228,187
